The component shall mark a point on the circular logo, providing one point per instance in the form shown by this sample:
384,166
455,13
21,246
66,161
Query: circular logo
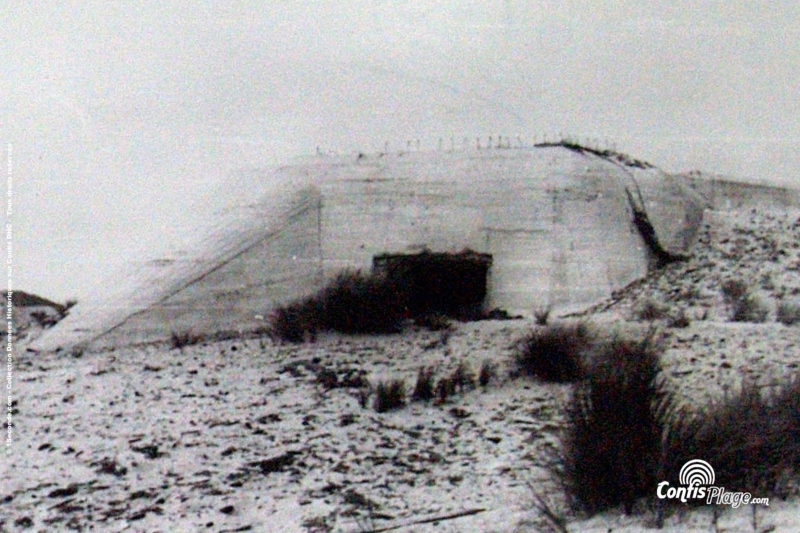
696,472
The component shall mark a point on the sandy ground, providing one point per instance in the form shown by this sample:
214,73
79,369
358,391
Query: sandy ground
247,435
158,439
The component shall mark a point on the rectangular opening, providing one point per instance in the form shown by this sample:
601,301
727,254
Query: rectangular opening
453,284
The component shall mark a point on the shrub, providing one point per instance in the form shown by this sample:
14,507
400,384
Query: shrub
650,309
177,340
351,303
751,308
680,320
788,311
433,322
487,372
541,314
358,303
327,378
444,389
389,395
734,289
423,389
751,439
625,433
293,322
363,394
553,353
611,449
341,377
745,305
462,377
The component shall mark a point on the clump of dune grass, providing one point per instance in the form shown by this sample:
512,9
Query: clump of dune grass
745,305
389,395
444,389
751,437
788,311
680,319
351,303
424,386
626,431
541,315
487,373
463,378
179,339
553,353
295,322
650,309
611,449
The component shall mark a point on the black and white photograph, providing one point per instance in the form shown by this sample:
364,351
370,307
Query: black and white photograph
492,266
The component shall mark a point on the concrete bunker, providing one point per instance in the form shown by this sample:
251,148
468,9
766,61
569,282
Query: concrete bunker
556,221
453,284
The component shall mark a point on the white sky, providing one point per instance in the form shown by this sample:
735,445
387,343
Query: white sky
121,114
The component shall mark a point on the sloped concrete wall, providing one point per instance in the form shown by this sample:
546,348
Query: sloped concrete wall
255,252
280,265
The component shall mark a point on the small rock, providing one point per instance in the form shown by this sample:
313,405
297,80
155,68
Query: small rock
270,418
24,522
150,451
458,412
66,491
347,419
110,466
275,464
353,497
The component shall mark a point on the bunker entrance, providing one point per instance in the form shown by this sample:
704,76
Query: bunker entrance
453,284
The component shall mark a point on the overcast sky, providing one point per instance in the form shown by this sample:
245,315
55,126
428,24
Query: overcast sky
121,114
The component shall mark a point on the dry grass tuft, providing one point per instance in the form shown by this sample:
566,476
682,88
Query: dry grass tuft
554,353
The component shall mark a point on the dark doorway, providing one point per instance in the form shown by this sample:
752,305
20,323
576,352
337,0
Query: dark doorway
453,284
